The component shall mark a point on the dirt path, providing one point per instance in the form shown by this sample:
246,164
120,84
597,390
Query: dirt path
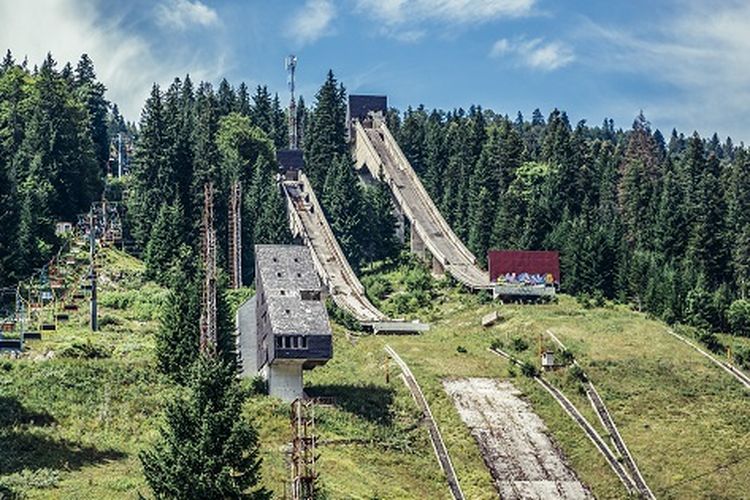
514,441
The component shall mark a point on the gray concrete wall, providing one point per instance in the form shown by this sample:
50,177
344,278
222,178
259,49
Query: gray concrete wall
285,380
247,338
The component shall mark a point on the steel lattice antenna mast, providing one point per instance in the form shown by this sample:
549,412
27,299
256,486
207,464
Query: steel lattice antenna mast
209,310
291,66
235,234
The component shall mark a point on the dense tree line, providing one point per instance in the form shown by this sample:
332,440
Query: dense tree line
663,224
54,148
188,137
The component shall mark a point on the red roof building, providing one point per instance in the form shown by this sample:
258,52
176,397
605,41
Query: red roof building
516,262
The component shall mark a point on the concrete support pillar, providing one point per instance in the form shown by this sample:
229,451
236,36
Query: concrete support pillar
437,268
398,214
285,380
416,244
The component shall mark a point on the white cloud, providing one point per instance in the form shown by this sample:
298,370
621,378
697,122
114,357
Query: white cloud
311,22
126,63
500,48
396,12
536,53
702,54
181,14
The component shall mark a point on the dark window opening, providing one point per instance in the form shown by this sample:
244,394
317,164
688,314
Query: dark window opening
309,294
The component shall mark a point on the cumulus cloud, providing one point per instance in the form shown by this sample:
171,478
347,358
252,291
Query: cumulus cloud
125,62
535,53
394,12
311,22
182,14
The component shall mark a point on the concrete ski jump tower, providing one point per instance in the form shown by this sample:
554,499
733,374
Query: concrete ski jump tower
286,323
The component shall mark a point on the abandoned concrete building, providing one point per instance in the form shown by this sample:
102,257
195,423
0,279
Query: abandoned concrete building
284,328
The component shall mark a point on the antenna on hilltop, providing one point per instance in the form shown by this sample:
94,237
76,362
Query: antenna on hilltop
291,65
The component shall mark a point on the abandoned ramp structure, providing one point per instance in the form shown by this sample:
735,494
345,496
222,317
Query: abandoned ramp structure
375,148
309,224
522,459
290,328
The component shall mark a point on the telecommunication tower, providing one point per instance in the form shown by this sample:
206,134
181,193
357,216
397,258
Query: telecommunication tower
291,66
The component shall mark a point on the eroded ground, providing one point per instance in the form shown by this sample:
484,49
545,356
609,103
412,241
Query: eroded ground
515,444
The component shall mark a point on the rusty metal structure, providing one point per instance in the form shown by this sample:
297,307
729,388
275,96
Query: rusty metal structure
209,313
304,443
235,235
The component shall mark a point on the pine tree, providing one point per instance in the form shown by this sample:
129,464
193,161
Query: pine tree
262,110
178,336
325,139
707,249
91,92
412,138
164,241
379,236
207,449
342,202
151,157
280,126
242,104
738,216
226,98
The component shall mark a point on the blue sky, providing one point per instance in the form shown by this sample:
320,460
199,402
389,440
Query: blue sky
686,63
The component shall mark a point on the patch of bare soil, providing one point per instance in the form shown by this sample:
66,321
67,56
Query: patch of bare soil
523,460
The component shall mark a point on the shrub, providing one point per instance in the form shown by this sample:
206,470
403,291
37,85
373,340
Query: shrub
567,357
378,287
30,479
518,344
529,370
742,357
461,349
106,320
496,344
739,317
84,350
584,300
342,317
576,373
418,279
711,341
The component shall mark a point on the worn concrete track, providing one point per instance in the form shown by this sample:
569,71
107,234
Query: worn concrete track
437,439
308,222
376,149
584,424
741,377
608,423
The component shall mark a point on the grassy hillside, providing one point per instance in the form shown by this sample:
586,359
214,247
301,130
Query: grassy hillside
72,427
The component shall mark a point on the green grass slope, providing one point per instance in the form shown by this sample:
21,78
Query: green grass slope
72,427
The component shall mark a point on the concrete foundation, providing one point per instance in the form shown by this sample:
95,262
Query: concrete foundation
284,380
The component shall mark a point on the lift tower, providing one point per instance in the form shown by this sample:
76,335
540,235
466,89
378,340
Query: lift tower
291,66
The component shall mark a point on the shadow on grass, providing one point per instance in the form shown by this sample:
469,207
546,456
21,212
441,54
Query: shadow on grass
25,444
12,413
370,402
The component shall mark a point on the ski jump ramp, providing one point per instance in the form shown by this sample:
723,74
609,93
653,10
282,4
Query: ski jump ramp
375,149
308,223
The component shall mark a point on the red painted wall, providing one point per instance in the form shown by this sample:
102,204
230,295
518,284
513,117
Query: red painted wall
524,261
